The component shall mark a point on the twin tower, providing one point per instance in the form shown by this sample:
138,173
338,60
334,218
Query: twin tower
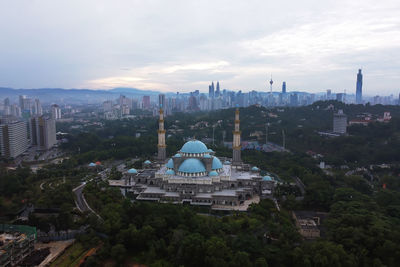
236,146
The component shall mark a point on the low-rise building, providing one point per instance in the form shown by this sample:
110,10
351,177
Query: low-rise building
309,223
16,243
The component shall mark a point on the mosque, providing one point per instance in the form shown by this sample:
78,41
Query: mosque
194,175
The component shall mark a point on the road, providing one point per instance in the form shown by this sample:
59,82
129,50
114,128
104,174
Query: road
80,201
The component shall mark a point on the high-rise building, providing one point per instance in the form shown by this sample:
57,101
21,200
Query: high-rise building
294,100
236,145
107,105
55,112
211,90
37,108
340,122
146,102
6,101
24,103
328,94
193,103
21,101
43,132
359,87
161,101
340,97
284,88
16,111
218,91
7,107
13,138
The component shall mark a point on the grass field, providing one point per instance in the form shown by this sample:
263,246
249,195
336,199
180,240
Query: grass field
71,256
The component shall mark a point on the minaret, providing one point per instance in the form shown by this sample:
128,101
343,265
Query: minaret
236,158
161,137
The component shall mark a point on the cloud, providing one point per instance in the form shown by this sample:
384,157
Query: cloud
183,45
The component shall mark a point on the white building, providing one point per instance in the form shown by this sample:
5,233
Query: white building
37,108
43,132
56,112
340,122
13,139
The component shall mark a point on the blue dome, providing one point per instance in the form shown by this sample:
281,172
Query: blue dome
177,155
147,162
210,150
91,164
227,162
194,146
192,166
267,178
132,171
255,169
170,172
170,164
207,156
216,164
213,173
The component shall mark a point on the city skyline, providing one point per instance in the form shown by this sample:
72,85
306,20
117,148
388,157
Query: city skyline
182,46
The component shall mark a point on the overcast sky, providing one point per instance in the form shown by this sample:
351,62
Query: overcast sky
184,45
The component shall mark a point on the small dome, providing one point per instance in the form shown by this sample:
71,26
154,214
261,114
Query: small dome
210,150
255,169
147,162
216,164
267,178
227,162
170,172
132,171
213,173
98,163
192,166
177,155
207,156
194,146
170,164
91,164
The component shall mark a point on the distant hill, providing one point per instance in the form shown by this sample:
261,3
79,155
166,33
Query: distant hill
79,96
125,90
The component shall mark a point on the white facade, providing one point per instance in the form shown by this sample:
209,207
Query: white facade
13,139
340,122
37,108
56,112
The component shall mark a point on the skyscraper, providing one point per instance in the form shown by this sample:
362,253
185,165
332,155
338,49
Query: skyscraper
37,108
359,87
43,132
6,101
146,102
217,92
211,90
340,97
13,139
24,103
161,101
284,88
328,94
56,112
294,99
340,122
